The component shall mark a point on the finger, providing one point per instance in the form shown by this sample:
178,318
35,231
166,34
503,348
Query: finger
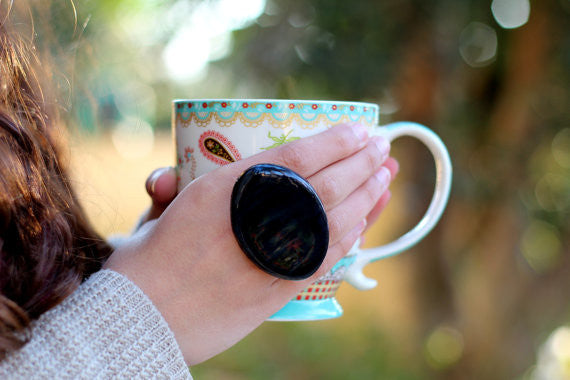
392,165
334,183
378,208
161,186
357,205
308,155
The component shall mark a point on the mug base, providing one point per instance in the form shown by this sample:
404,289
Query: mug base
308,311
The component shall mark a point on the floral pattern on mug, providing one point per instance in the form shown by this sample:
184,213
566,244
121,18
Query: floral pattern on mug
189,161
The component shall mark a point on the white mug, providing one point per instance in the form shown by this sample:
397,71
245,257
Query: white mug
213,132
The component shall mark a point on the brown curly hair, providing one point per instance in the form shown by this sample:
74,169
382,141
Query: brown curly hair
47,246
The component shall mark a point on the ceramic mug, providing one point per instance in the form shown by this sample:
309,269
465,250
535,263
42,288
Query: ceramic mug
210,133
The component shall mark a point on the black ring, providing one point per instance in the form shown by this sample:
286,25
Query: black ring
279,221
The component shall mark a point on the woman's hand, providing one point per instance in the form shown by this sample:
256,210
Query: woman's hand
161,188
192,268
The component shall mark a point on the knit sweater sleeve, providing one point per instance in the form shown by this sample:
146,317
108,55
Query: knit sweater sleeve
107,328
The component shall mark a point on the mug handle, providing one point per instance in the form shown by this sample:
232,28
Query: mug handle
354,274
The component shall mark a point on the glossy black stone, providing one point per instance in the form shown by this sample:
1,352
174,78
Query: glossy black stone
279,221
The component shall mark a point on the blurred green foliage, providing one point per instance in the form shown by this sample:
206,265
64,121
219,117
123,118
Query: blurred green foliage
310,351
497,267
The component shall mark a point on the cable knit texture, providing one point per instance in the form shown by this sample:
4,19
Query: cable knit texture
106,329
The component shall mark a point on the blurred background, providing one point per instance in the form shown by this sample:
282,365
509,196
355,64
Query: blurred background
487,294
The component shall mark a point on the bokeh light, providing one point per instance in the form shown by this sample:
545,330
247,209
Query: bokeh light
205,35
133,138
552,192
561,148
444,347
541,246
478,44
388,104
135,99
511,14
554,357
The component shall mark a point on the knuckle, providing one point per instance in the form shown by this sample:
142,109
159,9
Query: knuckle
335,253
203,190
292,158
371,191
344,141
335,225
328,190
328,264
203,183
346,243
373,160
200,188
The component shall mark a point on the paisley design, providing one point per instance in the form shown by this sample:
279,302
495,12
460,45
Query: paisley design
217,148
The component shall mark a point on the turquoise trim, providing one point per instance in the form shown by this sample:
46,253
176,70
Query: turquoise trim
346,261
200,116
308,311
312,310
308,110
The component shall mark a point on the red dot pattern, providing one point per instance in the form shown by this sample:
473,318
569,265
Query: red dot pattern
319,291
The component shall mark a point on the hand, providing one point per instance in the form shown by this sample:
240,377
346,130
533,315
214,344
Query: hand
190,265
161,188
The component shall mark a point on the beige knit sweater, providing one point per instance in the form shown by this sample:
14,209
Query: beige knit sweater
106,329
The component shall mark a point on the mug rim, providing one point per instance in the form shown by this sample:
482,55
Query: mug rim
268,100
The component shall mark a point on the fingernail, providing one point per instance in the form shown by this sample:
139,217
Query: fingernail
397,168
360,131
361,226
361,241
383,175
153,178
383,146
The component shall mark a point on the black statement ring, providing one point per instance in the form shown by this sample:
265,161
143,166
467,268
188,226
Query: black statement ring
279,221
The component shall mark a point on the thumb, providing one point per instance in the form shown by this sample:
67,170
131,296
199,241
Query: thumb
161,187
